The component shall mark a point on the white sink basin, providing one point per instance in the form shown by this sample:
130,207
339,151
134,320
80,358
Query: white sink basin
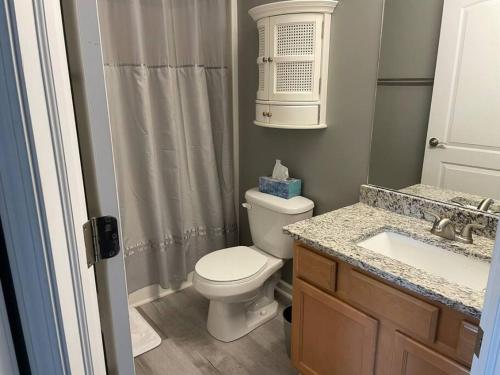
454,267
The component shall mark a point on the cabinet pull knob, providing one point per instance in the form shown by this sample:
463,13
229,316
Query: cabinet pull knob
264,114
264,59
269,114
270,59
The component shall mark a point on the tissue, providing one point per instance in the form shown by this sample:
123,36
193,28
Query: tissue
280,172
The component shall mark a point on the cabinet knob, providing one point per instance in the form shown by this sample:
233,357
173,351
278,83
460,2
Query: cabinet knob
264,114
270,59
264,59
269,114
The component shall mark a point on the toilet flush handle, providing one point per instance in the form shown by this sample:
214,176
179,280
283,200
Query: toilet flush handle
246,205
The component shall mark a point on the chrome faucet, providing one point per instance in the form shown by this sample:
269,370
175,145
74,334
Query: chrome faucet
445,228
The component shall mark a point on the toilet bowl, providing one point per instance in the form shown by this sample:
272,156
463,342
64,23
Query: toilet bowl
240,281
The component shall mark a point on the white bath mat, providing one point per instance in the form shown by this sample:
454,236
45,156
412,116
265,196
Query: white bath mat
144,337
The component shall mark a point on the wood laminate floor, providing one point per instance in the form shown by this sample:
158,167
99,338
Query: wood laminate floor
188,349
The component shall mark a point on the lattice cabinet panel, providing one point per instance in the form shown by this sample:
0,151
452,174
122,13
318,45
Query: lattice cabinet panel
292,62
296,50
295,38
294,77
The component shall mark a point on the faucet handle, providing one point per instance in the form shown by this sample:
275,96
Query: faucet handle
436,217
485,204
466,235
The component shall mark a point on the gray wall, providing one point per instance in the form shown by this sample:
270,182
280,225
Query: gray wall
410,38
333,162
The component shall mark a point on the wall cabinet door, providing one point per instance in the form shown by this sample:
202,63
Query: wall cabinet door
412,358
330,337
295,50
262,59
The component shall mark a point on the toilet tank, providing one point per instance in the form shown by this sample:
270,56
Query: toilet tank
268,214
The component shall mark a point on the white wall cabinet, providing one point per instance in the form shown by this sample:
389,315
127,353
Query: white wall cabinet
293,54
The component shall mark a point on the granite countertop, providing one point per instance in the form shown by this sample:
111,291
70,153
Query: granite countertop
449,196
337,233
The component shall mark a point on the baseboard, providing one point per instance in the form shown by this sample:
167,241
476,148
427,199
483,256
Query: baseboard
154,292
285,290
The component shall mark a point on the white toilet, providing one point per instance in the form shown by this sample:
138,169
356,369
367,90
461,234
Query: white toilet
239,281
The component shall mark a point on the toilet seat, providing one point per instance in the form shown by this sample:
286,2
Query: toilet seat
231,264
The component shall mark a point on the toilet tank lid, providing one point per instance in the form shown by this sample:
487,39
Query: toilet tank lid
292,206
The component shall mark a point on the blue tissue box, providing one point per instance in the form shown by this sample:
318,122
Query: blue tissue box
287,189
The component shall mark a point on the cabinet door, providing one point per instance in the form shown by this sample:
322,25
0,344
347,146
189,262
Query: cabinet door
330,337
295,50
263,55
412,358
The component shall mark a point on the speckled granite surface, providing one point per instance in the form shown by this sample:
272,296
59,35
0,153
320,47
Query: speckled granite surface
450,196
337,233
411,205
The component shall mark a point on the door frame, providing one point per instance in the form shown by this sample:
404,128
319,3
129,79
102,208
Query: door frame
8,361
488,362
42,201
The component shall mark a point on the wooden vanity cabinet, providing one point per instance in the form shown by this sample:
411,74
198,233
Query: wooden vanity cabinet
348,322
331,336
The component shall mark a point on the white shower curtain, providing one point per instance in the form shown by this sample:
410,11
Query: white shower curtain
168,84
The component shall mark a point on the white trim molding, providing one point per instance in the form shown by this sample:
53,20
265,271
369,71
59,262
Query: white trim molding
153,292
285,290
292,6
8,361
235,106
39,168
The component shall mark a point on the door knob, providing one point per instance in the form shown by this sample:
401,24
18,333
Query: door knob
434,142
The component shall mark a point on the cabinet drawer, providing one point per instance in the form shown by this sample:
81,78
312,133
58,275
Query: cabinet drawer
467,341
293,114
260,110
316,269
413,316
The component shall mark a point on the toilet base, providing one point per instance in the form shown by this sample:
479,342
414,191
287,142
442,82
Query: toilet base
230,321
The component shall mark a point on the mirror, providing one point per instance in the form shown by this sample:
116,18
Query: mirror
436,127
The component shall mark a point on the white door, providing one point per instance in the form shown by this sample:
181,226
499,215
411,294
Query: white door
488,362
465,110
262,59
42,200
110,273
295,50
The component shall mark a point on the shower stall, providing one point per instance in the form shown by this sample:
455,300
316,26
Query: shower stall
168,79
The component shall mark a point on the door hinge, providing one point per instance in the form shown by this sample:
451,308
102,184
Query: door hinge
479,341
101,239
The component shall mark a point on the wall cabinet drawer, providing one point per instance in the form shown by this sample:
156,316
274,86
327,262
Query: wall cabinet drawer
293,114
413,316
316,269
261,111
412,358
